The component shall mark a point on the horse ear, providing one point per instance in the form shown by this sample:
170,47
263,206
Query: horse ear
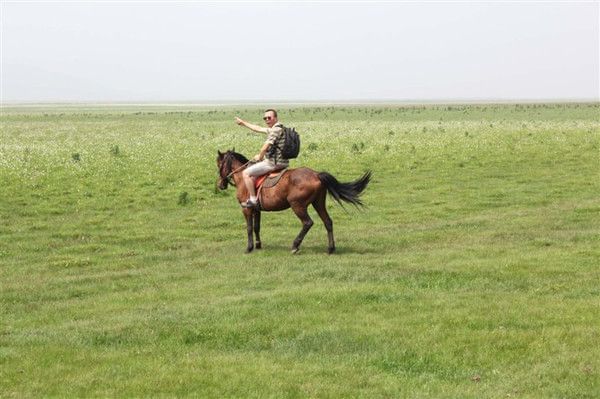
233,149
220,154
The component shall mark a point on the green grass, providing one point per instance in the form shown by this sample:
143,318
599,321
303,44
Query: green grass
473,272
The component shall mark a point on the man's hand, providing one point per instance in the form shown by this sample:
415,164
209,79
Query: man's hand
239,121
256,158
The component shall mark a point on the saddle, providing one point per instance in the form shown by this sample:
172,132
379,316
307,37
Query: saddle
269,180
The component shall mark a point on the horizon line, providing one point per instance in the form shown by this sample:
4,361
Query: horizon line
183,103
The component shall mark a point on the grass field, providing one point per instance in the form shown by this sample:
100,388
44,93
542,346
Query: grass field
473,271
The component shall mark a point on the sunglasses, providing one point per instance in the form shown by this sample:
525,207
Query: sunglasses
267,118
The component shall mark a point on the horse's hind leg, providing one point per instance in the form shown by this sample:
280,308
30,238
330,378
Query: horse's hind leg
319,205
257,229
307,223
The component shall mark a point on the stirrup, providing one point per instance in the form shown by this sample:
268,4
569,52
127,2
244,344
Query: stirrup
249,204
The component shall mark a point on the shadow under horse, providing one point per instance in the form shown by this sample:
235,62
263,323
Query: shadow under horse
297,189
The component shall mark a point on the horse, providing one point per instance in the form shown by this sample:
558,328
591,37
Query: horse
296,189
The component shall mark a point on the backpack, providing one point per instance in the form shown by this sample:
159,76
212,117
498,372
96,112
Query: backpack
291,143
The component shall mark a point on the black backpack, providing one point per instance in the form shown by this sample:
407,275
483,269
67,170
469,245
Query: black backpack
291,143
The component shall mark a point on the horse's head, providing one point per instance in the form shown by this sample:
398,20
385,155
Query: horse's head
229,163
224,161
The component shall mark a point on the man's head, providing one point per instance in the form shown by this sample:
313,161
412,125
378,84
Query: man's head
270,117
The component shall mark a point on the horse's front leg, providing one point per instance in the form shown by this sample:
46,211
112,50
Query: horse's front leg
248,214
257,228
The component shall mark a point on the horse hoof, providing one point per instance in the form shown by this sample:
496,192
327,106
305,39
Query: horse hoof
330,250
295,250
258,245
248,250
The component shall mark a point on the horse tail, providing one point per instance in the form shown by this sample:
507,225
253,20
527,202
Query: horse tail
349,192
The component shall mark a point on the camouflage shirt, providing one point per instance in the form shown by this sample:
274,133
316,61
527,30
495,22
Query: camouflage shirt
276,139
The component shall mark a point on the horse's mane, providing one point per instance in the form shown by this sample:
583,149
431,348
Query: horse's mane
239,156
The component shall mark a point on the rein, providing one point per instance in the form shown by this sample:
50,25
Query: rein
237,170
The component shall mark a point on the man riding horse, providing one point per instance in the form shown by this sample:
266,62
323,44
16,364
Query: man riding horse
269,158
294,188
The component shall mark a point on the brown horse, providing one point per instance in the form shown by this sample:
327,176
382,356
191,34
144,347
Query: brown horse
296,189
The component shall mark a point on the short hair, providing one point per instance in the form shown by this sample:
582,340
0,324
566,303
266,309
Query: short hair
273,111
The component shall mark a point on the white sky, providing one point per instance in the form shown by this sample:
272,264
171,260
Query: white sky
298,51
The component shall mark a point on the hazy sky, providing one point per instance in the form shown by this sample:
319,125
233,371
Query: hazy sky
242,51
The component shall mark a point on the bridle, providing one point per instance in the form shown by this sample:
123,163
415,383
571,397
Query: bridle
225,169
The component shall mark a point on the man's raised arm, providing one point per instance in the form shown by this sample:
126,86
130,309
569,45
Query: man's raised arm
250,126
